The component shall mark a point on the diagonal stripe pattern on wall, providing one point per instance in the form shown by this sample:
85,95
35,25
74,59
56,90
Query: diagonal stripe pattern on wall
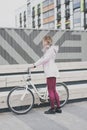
22,46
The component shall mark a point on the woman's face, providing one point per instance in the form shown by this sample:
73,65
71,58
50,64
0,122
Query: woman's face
45,44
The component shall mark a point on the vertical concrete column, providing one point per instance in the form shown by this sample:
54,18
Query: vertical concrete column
41,15
55,14
82,20
71,14
63,14
29,15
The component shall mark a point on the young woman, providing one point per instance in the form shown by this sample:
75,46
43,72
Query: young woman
51,73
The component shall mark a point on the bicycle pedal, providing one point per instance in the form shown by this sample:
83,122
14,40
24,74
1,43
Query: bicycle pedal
42,100
38,104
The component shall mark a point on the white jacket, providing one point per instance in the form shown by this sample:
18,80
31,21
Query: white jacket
48,62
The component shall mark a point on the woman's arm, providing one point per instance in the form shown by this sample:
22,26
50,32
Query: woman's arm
46,56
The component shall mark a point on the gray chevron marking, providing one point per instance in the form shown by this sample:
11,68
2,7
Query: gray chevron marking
23,44
57,36
72,44
29,41
38,48
69,56
68,60
15,45
12,52
68,36
6,56
70,49
39,37
3,61
28,32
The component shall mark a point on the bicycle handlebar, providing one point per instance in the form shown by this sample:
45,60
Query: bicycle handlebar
29,71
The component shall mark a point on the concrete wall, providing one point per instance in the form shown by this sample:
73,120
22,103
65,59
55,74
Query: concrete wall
22,46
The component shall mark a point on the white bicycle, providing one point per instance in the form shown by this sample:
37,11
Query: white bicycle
21,99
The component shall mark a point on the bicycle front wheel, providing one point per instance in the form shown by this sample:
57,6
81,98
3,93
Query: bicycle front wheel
63,93
20,100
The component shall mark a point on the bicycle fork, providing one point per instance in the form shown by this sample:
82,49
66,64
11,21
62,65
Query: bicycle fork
22,97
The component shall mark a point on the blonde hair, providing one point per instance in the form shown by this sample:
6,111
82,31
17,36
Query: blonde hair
48,39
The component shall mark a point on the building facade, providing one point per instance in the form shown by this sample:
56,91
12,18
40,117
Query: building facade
21,17
56,14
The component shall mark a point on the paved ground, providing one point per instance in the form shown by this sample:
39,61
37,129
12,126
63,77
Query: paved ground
73,117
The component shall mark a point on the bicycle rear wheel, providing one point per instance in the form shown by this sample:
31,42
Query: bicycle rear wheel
63,93
18,103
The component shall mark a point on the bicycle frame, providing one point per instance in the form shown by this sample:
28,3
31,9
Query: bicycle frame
38,93
29,82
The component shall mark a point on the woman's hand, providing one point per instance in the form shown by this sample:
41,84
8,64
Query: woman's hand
32,66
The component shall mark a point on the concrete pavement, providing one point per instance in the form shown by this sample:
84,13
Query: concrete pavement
73,117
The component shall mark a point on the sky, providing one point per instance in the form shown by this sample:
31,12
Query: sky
7,11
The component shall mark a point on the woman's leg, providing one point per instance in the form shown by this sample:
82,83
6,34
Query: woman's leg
51,91
51,83
56,94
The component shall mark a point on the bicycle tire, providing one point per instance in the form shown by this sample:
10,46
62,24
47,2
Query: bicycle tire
63,93
18,106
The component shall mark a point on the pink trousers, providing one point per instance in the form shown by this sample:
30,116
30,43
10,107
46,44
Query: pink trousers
53,95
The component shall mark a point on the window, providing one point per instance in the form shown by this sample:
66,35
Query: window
24,15
20,16
24,25
28,9
45,3
58,17
67,1
59,26
49,25
48,13
33,24
77,18
33,11
58,14
39,22
86,4
68,26
38,9
51,12
20,19
58,9
58,2
76,4
45,15
51,1
24,18
67,11
67,7
45,25
85,20
38,6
